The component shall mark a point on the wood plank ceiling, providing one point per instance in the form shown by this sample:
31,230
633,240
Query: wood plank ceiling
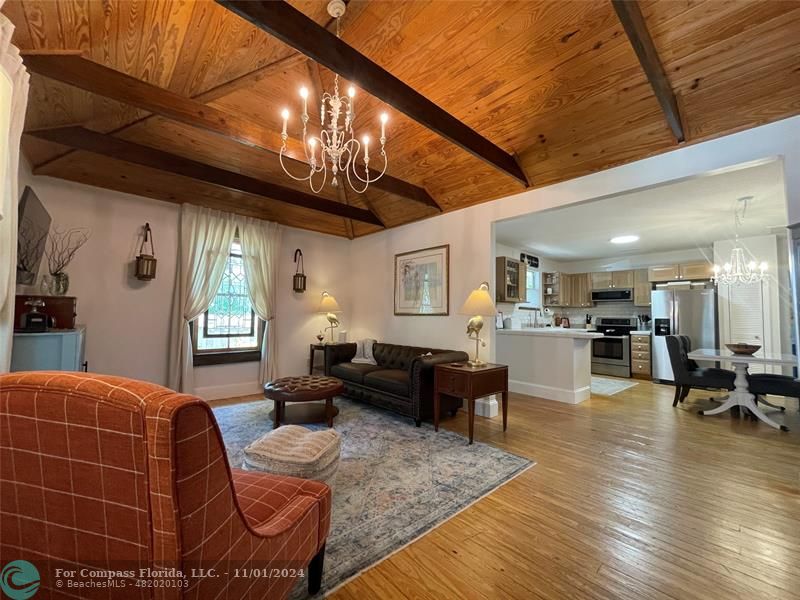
556,84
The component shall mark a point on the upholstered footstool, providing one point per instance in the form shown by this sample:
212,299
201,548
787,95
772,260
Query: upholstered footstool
297,452
304,389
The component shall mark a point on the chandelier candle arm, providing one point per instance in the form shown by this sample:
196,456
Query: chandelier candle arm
739,271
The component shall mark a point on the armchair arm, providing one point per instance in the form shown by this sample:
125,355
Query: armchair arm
338,353
422,377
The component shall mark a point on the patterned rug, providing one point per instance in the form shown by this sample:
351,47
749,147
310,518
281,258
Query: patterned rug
608,387
395,481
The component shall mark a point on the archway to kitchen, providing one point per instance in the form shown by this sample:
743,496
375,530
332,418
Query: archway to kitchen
599,275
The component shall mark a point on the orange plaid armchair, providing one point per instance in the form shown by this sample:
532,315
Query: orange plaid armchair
106,475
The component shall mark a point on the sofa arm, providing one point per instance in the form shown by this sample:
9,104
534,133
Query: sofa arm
422,378
338,353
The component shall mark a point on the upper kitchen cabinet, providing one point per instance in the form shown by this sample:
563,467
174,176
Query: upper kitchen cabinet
612,279
641,288
668,273
622,279
688,271
580,290
510,278
601,280
555,289
698,270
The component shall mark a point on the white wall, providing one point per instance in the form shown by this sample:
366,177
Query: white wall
470,231
128,320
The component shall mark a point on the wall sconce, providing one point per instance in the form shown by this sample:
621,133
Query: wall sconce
146,263
299,279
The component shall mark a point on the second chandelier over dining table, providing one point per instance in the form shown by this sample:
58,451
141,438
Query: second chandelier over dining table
336,148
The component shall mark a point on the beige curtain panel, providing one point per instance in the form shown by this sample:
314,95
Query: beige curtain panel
13,101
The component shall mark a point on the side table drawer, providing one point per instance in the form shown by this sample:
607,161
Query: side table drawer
450,382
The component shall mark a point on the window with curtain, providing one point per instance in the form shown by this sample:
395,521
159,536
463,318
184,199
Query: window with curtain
229,330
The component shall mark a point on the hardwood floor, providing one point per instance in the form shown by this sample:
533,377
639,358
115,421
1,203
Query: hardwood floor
631,498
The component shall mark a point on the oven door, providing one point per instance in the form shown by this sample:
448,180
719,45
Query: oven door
612,350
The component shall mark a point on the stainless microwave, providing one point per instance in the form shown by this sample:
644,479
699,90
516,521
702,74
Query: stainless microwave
613,295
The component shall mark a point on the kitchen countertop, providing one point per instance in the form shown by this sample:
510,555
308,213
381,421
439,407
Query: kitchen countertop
642,332
553,332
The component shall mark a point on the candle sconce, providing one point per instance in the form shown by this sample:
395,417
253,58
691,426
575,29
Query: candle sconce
146,263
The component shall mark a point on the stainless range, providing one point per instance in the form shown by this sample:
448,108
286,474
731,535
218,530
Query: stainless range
611,354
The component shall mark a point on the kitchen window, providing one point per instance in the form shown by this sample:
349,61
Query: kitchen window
533,289
229,330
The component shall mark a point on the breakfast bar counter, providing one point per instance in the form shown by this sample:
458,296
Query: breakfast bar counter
548,362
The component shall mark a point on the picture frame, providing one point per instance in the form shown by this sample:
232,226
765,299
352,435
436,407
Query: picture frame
422,282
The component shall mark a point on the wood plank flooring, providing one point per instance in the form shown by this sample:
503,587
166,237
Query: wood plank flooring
631,498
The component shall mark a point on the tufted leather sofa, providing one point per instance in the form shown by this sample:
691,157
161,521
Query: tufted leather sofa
402,381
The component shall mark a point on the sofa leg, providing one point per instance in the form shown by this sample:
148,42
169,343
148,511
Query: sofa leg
418,422
315,571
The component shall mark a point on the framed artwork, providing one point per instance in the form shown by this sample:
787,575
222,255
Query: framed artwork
422,282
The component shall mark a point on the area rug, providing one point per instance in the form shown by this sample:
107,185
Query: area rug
395,481
608,387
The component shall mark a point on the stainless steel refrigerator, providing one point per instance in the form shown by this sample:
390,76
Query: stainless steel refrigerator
682,309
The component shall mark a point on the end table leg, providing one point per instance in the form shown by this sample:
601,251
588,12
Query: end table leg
436,405
329,411
471,418
276,422
505,410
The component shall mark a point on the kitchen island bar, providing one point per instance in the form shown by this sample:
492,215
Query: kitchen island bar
549,362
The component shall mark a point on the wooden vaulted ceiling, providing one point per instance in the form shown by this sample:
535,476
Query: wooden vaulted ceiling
558,85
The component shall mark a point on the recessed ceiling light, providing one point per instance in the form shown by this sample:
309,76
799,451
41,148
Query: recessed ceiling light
624,239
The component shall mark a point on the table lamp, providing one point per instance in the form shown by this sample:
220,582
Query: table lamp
479,304
329,306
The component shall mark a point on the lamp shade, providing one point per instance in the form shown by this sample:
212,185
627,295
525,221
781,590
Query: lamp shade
479,302
328,304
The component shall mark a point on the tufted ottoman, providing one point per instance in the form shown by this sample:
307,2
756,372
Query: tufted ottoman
303,388
297,452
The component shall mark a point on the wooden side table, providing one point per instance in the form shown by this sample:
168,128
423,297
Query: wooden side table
321,348
462,381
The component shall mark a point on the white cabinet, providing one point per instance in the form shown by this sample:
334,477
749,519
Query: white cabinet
56,350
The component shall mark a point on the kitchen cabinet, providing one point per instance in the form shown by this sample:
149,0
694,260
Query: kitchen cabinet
688,271
622,279
580,290
698,270
604,280
640,356
668,273
601,280
555,289
510,279
641,288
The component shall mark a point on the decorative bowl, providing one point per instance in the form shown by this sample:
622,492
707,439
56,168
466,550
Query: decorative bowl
746,349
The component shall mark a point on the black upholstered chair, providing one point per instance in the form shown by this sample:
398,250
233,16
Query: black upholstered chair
761,384
688,375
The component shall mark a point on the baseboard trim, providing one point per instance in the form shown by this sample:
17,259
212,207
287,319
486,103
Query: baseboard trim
551,393
231,390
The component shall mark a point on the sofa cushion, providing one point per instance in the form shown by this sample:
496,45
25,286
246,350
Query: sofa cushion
353,371
394,381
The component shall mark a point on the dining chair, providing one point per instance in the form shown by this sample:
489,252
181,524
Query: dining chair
688,375
761,384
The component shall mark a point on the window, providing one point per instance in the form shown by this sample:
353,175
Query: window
533,289
229,330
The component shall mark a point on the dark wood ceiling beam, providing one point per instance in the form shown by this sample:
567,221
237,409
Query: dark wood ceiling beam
630,15
81,138
292,27
83,73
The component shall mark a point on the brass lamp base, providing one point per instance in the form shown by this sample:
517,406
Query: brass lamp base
476,363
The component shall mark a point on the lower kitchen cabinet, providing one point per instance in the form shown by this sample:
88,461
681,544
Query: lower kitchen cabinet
640,356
